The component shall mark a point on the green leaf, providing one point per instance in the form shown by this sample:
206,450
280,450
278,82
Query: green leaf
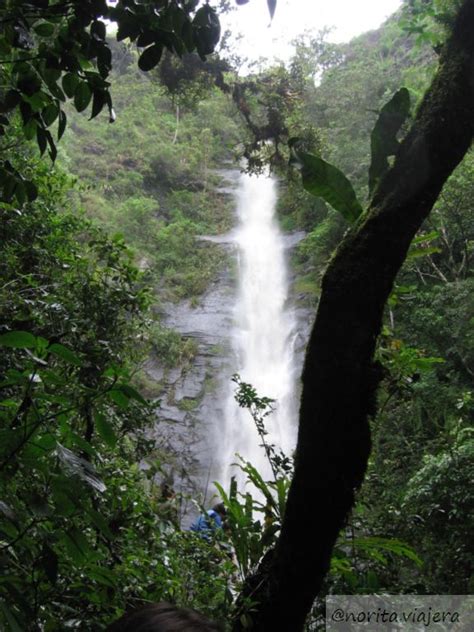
41,139
415,253
150,57
50,114
70,82
63,499
37,101
222,493
51,75
11,618
119,397
56,91
8,403
132,393
62,124
434,234
102,576
98,103
76,545
383,140
322,179
81,443
100,522
207,30
18,340
29,129
65,354
45,29
105,430
53,152
82,96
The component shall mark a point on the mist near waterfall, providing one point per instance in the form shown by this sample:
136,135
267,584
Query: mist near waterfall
263,330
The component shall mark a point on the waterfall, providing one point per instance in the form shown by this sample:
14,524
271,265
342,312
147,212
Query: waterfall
264,329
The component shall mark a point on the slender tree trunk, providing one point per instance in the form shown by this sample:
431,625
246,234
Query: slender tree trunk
176,130
340,378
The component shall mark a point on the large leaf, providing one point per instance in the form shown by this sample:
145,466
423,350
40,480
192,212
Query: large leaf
18,340
101,523
70,82
65,501
10,617
82,96
76,545
64,353
322,179
61,124
132,393
50,114
207,30
101,575
383,140
105,430
119,397
150,57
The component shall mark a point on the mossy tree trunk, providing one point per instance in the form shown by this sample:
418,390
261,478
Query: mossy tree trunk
340,378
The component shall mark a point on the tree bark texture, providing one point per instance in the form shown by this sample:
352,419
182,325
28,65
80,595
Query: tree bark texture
340,378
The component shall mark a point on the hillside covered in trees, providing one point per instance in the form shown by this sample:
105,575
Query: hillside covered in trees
107,233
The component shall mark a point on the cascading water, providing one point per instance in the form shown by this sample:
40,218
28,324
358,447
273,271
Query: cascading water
263,329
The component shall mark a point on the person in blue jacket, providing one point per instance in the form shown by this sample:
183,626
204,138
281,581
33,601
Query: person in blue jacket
207,524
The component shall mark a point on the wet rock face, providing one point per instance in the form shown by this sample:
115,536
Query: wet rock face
192,400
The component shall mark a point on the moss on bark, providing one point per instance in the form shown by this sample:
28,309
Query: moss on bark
339,378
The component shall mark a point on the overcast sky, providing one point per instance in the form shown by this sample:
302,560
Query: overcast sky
292,17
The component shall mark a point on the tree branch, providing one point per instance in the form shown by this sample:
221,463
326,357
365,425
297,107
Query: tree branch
340,378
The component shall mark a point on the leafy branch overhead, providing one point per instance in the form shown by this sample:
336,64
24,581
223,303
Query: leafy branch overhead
52,52
322,179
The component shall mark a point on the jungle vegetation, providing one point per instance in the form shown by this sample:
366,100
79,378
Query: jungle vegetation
91,245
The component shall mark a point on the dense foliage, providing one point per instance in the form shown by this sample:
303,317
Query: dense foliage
91,247
81,531
57,51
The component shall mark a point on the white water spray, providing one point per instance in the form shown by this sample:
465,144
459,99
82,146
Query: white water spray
263,329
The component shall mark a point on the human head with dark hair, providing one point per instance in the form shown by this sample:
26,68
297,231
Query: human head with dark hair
220,509
163,617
